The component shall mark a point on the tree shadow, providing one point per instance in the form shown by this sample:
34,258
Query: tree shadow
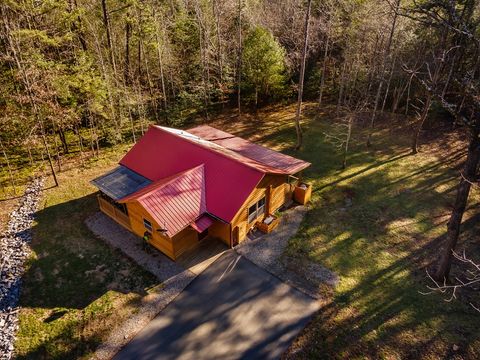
71,267
72,284
233,310
381,241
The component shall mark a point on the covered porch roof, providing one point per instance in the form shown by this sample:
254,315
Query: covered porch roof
120,182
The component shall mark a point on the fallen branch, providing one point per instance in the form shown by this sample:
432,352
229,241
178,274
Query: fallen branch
472,276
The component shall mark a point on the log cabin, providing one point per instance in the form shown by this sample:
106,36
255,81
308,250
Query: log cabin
175,187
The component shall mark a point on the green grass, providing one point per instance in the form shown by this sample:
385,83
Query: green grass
381,243
76,288
378,224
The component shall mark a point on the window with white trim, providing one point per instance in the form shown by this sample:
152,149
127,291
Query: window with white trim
148,225
256,210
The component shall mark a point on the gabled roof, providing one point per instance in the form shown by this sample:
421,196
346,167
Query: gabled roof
174,202
186,174
271,160
161,153
222,150
120,182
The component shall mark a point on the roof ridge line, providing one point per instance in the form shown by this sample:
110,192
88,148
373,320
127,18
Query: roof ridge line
172,178
216,152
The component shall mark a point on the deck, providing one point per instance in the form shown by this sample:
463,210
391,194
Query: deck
113,212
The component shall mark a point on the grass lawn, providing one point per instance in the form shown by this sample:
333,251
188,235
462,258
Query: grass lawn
76,288
377,224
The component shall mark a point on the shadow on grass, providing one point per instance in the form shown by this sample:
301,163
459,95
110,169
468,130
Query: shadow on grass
381,313
379,230
72,285
72,267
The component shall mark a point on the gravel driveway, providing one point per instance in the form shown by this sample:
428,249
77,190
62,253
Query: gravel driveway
267,251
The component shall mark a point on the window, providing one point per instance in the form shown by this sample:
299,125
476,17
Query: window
121,207
252,213
256,210
261,207
148,225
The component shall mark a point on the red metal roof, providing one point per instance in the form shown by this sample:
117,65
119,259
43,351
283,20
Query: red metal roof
224,151
202,223
272,161
162,153
176,201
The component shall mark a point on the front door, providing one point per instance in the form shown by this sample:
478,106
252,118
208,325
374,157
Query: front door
203,235
235,236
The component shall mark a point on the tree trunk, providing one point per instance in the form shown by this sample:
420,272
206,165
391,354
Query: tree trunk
388,85
298,128
45,144
453,227
203,58
63,139
162,77
347,141
80,144
324,69
382,70
239,59
106,23
342,86
128,33
219,50
77,26
421,121
409,84
10,172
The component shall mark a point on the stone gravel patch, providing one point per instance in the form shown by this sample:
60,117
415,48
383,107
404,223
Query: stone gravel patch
266,251
173,277
14,250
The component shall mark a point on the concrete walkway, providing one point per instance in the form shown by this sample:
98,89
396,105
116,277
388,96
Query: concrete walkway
232,310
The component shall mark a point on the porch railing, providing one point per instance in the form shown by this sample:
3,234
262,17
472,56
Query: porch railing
112,211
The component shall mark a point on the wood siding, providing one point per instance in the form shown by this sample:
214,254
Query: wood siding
274,188
276,191
137,213
184,240
221,231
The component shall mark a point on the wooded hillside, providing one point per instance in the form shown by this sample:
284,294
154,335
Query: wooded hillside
97,68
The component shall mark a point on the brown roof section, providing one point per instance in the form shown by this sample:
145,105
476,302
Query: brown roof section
265,157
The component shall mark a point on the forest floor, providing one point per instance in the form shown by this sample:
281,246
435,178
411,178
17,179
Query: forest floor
377,224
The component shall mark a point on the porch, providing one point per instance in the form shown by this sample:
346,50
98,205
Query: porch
116,211
198,258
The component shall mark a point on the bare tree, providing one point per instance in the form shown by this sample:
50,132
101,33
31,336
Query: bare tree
386,54
239,58
298,128
456,24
